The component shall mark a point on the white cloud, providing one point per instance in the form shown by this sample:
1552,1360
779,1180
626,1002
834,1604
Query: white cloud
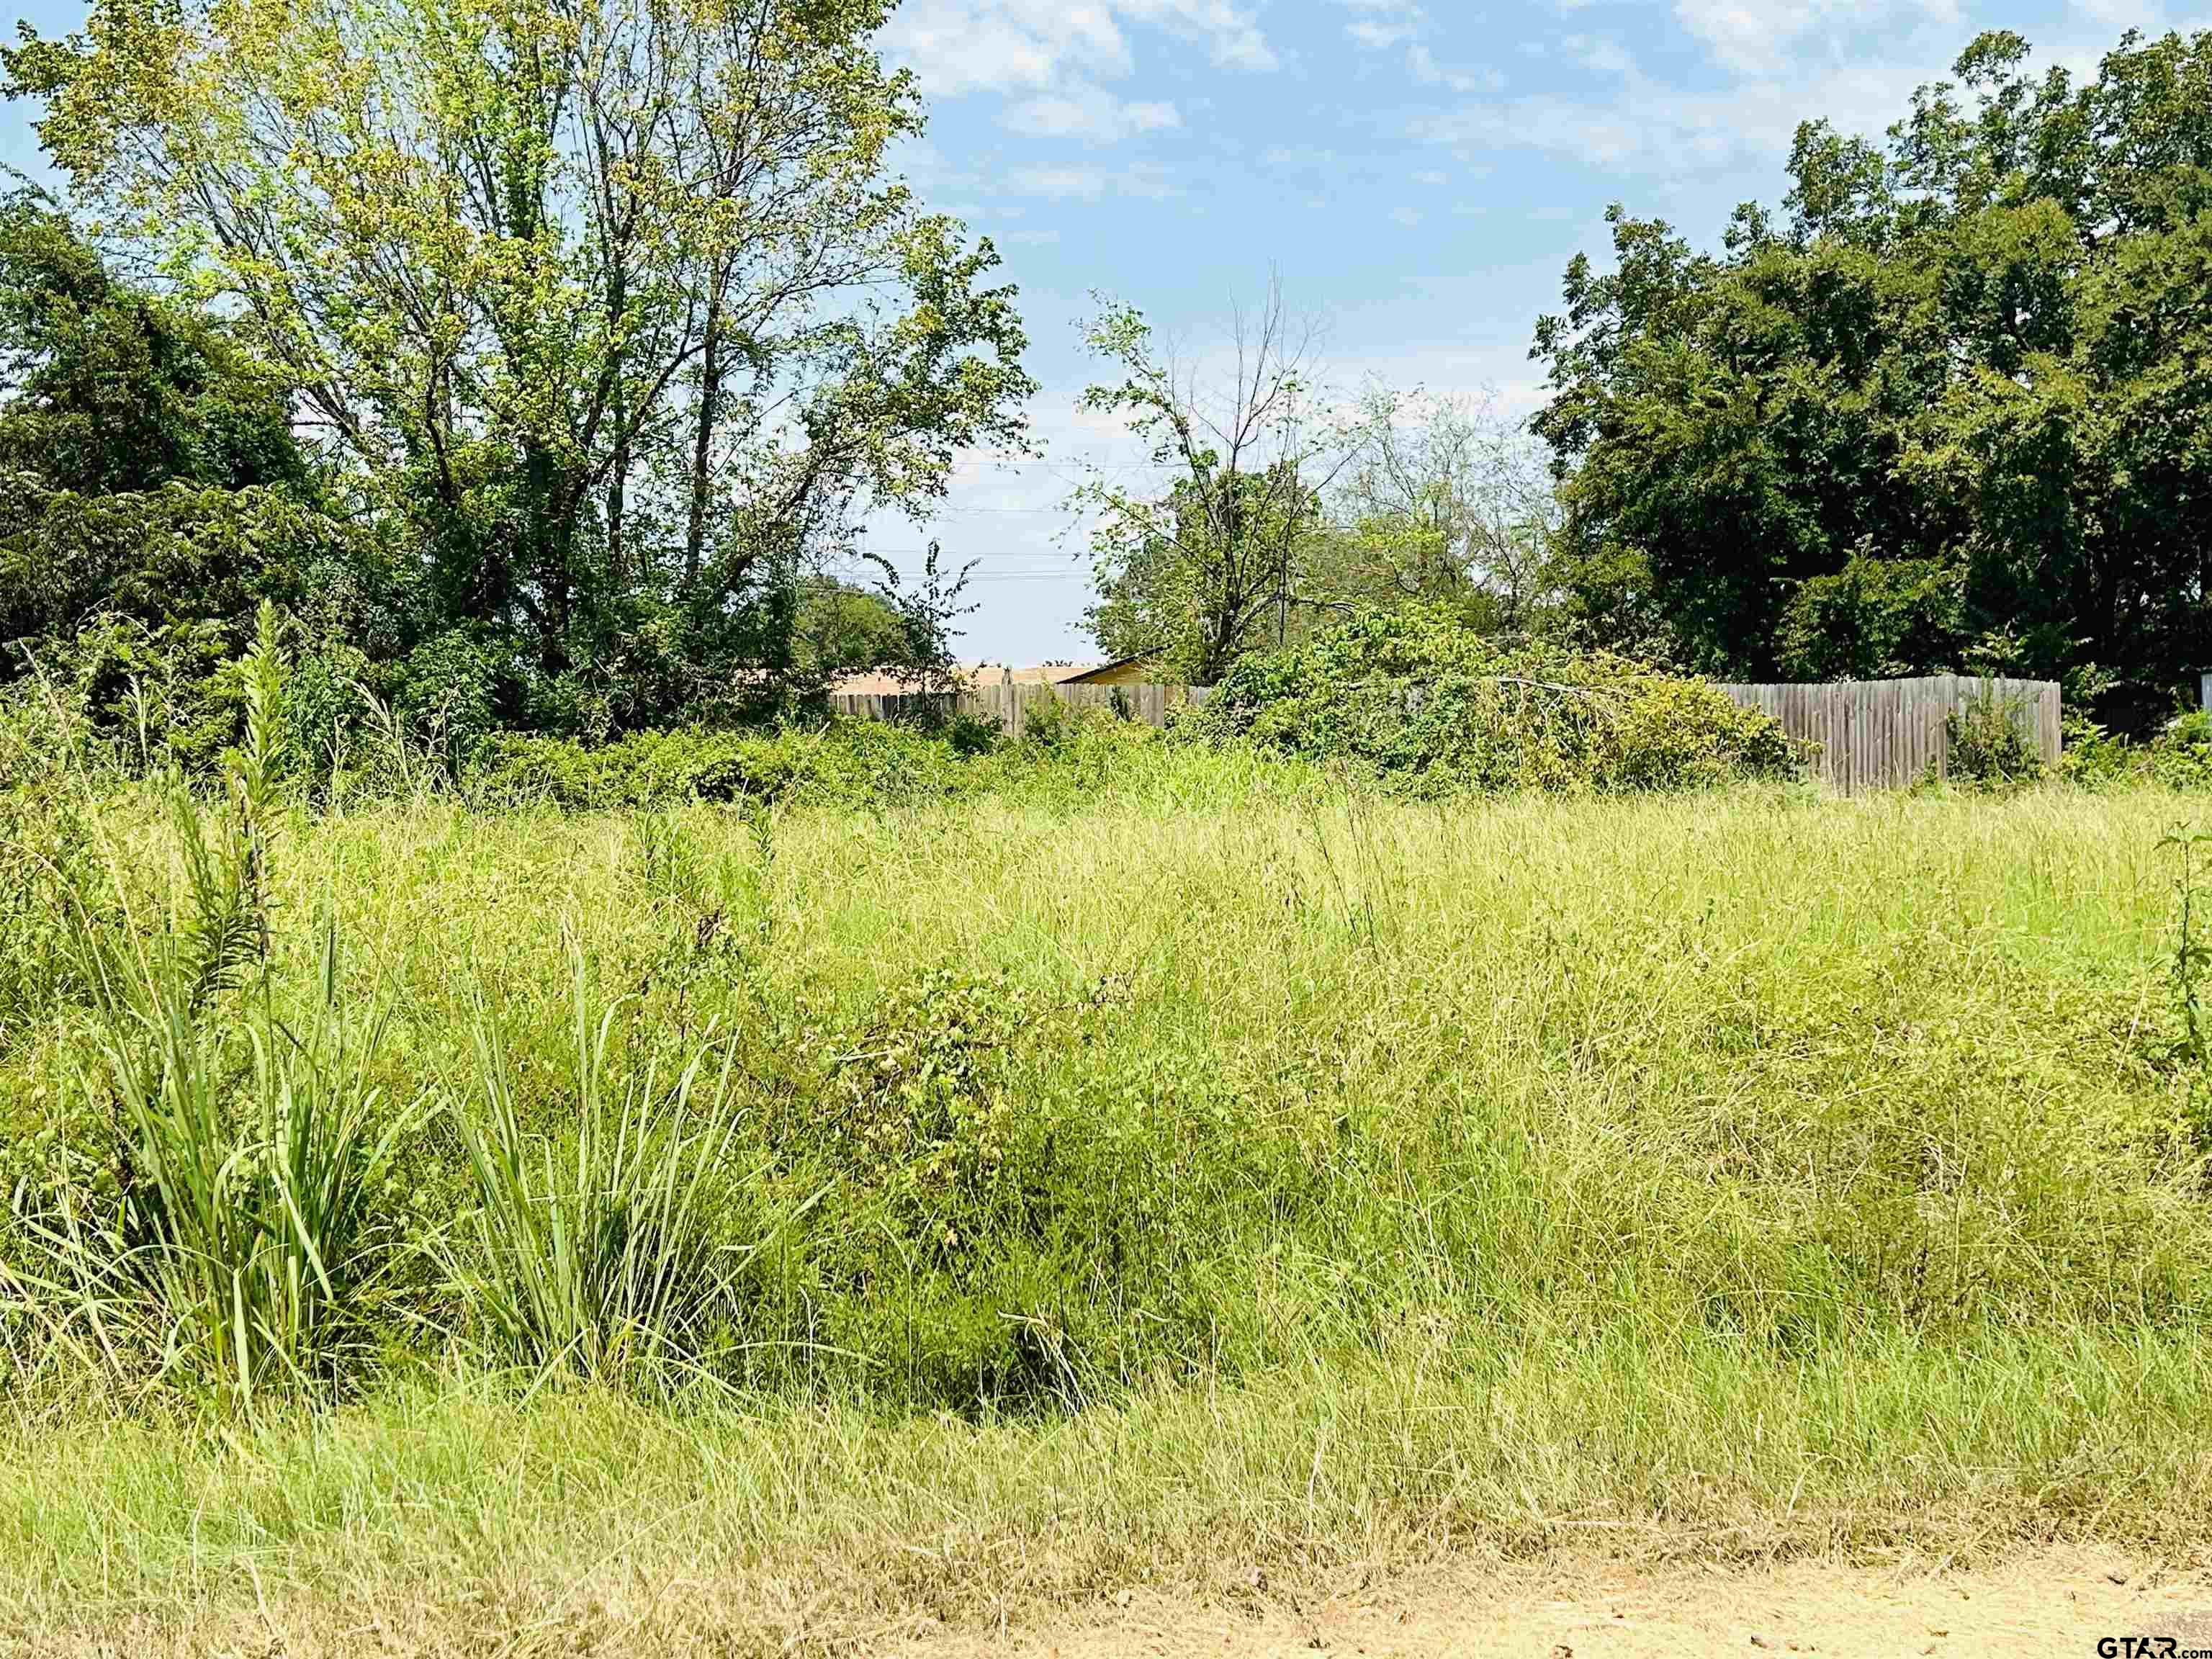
1088,184
1854,62
1230,33
1378,25
1421,63
1765,37
960,46
1655,128
1602,54
1090,112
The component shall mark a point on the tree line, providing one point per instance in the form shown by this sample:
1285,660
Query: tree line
544,360
1946,410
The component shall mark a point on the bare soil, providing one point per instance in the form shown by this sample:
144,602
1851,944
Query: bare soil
2053,1601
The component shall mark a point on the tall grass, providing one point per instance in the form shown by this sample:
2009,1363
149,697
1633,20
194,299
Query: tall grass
228,1245
233,1247
1075,1190
604,1257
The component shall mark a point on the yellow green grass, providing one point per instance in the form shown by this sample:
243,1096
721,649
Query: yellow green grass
1329,1181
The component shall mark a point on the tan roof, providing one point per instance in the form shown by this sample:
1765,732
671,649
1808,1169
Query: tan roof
980,673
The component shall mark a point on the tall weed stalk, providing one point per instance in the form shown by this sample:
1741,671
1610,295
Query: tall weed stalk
2191,1050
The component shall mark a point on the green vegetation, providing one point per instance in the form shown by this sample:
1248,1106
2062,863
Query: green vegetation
1416,697
1937,413
513,1121
1095,1172
603,333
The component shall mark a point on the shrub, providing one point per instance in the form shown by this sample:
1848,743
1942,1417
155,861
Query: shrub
1422,701
1012,1231
1990,743
2181,755
856,763
2093,758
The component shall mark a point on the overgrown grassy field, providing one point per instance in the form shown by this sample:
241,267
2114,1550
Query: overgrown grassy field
1211,1171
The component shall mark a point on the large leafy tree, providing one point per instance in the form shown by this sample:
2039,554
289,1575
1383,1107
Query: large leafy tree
1450,504
149,472
1945,409
616,303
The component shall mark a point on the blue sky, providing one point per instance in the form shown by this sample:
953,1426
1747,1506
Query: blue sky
1418,173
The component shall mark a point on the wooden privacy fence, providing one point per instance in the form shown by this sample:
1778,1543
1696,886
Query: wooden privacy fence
1007,704
1886,734
1872,734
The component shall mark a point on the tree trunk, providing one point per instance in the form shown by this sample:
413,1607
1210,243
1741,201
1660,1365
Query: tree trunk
546,523
710,389
617,491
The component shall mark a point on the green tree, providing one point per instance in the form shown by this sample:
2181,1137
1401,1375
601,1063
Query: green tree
1941,412
618,307
1449,503
149,474
1207,567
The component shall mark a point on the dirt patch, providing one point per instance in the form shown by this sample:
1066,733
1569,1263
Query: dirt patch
2049,1602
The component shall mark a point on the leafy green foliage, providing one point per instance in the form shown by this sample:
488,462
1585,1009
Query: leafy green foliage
116,392
2181,755
150,484
1208,568
855,763
1435,706
1003,1239
1874,619
229,1246
1940,415
1991,741
616,324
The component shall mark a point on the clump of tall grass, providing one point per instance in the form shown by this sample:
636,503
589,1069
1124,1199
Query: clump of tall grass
602,1258
229,1246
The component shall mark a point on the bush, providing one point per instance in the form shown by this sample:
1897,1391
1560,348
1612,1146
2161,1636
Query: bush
855,763
1011,1231
2093,758
1990,743
2181,755
1425,702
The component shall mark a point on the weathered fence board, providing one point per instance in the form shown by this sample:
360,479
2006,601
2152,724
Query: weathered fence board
1886,734
1007,705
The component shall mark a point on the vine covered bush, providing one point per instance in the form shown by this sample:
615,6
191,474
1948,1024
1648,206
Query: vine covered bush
854,763
1434,706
